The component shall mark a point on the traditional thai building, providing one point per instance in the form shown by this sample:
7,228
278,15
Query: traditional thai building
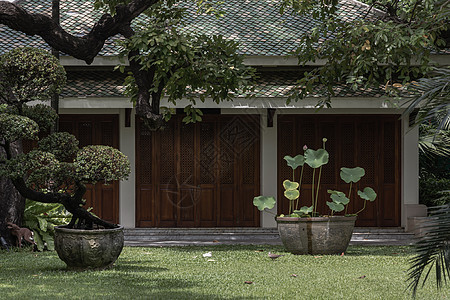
206,174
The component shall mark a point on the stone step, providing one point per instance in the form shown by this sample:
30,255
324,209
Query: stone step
205,236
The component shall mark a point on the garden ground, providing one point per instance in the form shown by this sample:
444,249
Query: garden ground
231,272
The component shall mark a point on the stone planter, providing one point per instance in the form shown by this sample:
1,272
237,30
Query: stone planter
318,235
88,249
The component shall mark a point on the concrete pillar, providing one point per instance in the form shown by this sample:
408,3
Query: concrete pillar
127,204
410,170
268,167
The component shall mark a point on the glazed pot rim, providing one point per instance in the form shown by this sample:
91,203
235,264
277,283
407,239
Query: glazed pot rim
315,219
62,228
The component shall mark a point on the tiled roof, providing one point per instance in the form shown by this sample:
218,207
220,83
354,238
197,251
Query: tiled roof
82,84
274,84
256,24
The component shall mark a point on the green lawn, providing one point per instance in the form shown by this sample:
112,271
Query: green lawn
183,273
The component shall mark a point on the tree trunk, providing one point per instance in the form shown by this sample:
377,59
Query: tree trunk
12,204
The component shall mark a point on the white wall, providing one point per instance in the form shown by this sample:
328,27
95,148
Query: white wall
410,169
127,203
409,163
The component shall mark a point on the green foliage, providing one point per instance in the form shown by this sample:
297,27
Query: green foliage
33,165
263,202
431,96
430,190
29,74
338,201
335,206
184,66
14,127
367,194
96,163
41,218
295,162
304,211
291,190
352,174
432,250
61,144
389,48
44,115
316,158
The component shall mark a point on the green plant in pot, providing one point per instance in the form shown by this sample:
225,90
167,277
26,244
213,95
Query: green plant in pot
303,230
56,171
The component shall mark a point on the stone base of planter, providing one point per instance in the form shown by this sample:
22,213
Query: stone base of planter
88,249
318,235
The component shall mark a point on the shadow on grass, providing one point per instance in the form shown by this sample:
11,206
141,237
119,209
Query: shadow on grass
44,276
351,250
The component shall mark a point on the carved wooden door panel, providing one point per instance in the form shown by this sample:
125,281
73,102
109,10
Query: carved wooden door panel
97,130
372,142
190,175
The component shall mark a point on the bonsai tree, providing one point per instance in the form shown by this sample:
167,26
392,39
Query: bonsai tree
56,170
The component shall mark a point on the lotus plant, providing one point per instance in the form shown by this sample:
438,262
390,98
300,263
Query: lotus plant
316,159
340,200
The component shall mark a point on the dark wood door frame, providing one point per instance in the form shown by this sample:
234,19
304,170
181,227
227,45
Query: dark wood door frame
369,141
97,129
202,160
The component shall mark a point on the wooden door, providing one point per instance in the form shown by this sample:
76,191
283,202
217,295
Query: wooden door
97,130
370,141
198,175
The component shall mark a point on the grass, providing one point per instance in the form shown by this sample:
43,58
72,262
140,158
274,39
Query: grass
183,273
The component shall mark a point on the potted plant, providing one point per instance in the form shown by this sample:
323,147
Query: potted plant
303,230
56,170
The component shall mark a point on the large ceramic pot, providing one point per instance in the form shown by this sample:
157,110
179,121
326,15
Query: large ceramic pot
318,235
88,249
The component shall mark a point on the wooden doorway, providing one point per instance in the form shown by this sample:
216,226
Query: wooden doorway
97,130
369,141
198,175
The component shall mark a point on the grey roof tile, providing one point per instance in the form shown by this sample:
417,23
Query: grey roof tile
256,24
274,84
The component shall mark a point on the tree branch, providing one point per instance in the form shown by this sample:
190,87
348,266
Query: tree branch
26,192
85,47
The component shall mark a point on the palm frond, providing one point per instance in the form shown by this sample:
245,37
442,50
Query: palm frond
432,250
432,97
433,141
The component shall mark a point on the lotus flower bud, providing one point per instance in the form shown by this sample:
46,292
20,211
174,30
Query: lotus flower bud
305,148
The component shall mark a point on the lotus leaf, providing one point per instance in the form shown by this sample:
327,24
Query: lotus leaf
304,210
295,162
352,174
316,158
335,206
342,199
290,185
292,194
335,192
263,202
368,194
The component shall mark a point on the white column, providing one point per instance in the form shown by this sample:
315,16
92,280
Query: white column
410,169
268,167
127,195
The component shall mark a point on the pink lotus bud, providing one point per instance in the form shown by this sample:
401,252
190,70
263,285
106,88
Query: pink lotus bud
305,148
